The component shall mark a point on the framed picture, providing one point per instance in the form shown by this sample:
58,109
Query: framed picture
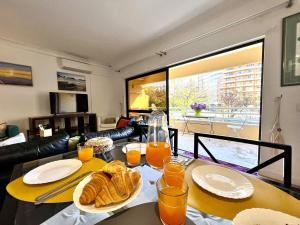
15,74
71,82
290,74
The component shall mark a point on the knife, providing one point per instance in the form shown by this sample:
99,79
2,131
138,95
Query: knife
42,200
40,197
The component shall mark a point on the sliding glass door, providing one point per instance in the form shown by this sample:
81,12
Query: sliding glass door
146,92
228,83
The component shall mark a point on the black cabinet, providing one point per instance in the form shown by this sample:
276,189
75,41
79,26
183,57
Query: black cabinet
72,123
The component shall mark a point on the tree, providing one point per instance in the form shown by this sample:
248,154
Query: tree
249,100
183,96
157,96
231,100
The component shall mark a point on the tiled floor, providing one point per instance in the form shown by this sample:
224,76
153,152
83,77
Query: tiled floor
237,153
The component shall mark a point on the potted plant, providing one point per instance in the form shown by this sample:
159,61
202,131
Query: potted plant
198,107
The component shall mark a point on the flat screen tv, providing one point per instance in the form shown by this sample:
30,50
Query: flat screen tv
61,102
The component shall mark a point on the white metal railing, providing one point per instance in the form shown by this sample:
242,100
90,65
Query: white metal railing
249,115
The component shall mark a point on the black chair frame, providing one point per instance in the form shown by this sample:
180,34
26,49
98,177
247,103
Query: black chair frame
286,155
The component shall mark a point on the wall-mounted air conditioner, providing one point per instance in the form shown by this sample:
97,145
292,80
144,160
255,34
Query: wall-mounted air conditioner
67,64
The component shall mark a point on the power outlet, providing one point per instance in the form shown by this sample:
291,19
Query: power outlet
298,107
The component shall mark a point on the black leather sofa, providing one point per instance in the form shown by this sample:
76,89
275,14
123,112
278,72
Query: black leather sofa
115,134
44,147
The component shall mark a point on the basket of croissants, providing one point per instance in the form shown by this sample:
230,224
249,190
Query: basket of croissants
114,184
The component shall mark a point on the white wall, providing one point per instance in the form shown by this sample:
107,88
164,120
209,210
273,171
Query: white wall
107,92
17,103
268,26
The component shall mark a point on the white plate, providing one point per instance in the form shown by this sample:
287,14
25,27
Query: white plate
222,181
132,145
91,208
52,171
264,217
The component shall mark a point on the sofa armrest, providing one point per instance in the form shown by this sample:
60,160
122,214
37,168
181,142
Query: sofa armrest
35,149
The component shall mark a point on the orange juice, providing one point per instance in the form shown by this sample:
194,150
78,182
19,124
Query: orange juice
156,152
172,205
174,173
133,157
85,153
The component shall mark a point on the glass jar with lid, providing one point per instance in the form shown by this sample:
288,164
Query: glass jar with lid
158,141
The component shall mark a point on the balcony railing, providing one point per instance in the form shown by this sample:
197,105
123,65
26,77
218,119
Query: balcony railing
249,115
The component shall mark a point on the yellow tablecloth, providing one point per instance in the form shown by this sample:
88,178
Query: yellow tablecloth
264,196
28,193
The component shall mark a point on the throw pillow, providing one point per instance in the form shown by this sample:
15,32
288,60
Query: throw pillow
122,122
3,128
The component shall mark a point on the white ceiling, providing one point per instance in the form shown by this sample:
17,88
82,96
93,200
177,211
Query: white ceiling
101,30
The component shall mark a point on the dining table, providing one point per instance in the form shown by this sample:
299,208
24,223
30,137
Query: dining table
265,196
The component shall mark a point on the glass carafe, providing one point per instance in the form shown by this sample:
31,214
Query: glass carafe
158,141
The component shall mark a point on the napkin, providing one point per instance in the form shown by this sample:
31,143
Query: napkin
71,215
200,218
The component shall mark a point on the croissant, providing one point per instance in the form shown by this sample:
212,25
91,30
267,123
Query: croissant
92,188
114,166
107,195
119,188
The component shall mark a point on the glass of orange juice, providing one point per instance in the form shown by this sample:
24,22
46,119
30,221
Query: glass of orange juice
172,202
85,153
174,171
133,154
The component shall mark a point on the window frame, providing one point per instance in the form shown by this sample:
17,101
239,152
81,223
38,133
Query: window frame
217,52
128,110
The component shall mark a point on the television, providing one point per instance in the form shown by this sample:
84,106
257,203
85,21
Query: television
61,102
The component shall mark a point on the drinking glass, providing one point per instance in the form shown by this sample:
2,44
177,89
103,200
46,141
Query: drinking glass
133,154
85,153
172,202
174,171
158,141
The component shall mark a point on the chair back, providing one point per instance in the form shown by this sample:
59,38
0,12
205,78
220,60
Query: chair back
286,153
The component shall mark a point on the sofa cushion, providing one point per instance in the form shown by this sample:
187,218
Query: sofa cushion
3,128
114,134
73,141
122,122
12,130
109,120
57,144
13,140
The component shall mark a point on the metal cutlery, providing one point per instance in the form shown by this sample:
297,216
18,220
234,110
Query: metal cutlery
42,200
185,160
55,191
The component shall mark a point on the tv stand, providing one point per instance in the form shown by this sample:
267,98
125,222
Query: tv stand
72,123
